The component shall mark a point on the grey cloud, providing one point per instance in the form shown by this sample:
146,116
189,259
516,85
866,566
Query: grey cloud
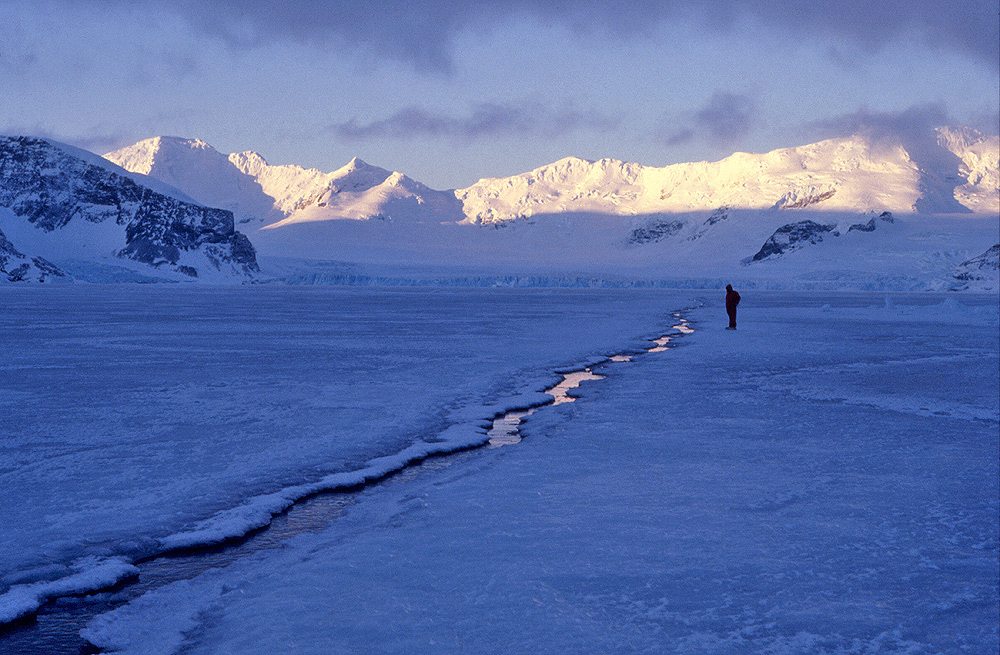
723,121
484,120
103,143
727,117
421,32
680,137
96,141
965,25
910,126
987,122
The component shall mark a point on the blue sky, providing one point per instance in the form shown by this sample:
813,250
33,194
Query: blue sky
452,91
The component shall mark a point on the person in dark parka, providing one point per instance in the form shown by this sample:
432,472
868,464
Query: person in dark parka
732,299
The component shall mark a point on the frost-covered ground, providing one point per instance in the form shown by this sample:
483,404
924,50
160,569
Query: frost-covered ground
823,480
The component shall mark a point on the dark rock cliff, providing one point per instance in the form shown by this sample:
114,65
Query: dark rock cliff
50,187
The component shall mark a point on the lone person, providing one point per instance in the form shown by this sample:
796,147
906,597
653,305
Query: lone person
732,299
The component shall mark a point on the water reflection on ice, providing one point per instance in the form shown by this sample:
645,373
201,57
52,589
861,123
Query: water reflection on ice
504,431
570,381
505,428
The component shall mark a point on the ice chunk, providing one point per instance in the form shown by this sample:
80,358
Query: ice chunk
91,574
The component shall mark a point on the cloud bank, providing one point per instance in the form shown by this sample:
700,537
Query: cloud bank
911,124
484,120
421,32
727,117
724,120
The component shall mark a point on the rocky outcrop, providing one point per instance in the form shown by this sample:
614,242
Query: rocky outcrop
51,186
717,216
794,236
791,237
18,267
800,199
654,231
873,221
981,273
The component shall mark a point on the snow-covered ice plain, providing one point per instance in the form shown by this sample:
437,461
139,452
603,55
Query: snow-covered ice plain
823,480
134,413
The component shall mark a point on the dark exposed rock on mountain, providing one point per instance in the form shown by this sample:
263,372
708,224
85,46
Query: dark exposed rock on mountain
18,267
791,237
655,231
51,187
871,224
718,216
981,272
800,200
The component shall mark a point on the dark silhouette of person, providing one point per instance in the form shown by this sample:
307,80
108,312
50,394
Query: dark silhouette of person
732,299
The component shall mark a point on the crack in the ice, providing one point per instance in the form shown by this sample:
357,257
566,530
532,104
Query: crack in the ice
505,430
90,603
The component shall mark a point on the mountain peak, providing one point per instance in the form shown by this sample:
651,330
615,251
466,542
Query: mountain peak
359,165
161,151
249,162
573,160
357,176
182,142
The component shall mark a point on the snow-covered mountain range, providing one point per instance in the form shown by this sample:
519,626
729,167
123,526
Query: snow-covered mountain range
260,194
62,209
841,213
957,174
855,175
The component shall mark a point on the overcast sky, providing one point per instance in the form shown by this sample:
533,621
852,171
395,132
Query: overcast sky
451,91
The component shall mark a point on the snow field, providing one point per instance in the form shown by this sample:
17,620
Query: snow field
682,506
141,419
